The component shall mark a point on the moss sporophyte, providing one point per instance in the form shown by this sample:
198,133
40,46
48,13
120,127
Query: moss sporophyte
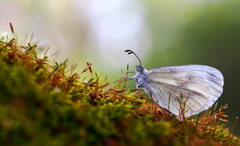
42,103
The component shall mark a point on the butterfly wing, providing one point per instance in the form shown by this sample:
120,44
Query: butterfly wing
201,85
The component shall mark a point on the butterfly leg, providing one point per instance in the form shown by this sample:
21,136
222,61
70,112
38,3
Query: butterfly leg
131,83
130,78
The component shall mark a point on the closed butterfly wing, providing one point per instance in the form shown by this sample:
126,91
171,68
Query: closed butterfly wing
201,85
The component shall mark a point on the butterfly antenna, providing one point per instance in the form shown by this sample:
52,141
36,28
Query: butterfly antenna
131,52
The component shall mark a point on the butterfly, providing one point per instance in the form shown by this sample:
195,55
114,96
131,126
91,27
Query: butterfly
199,85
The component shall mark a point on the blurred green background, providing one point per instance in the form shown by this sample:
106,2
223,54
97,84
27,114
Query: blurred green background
161,32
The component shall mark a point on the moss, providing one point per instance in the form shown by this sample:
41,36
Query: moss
42,104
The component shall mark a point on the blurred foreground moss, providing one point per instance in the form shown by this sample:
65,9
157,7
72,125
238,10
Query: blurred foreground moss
42,104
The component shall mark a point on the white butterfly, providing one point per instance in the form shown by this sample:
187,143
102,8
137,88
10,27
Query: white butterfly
199,85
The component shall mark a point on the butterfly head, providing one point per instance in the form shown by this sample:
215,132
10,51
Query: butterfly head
140,69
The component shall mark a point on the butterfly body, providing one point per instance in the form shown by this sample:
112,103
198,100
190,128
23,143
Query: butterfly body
199,85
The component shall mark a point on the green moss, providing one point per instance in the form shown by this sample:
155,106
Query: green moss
42,104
